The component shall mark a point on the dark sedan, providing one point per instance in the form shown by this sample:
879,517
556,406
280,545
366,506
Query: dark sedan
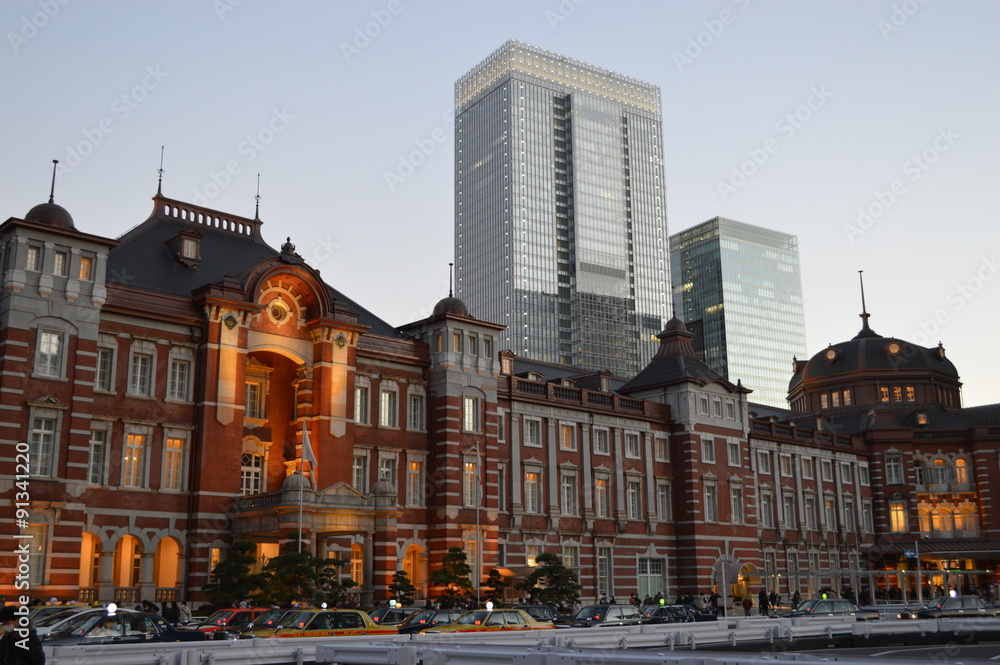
422,619
606,615
833,607
669,614
954,607
105,626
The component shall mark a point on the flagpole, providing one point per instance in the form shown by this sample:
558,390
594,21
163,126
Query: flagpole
301,481
479,533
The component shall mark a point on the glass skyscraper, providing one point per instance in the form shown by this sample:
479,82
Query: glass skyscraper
560,208
738,288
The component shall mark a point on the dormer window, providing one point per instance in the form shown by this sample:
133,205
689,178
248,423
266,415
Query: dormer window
187,248
534,376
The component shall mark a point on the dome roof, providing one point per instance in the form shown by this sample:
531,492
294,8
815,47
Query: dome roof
871,353
451,305
50,214
296,481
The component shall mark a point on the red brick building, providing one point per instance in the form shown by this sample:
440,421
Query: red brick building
160,385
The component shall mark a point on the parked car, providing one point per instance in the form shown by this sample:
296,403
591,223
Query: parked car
40,612
112,626
427,619
539,612
698,615
668,614
267,621
390,616
952,607
322,623
606,615
53,620
232,617
833,607
489,621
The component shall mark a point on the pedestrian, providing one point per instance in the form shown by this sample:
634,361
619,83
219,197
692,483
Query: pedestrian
713,603
184,614
747,605
171,613
19,644
762,601
796,600
648,600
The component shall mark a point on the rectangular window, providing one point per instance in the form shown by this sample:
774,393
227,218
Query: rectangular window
41,451
703,405
501,427
569,502
708,451
661,449
763,462
140,375
387,408
823,401
826,470
567,437
831,515
664,502
849,516
387,470
250,474
604,560
601,442
883,393
836,399
60,264
807,468
571,557
867,523
37,535
711,504
34,259
602,507
717,407
359,473
532,432
789,509
173,463
733,453
633,499
730,410
488,347
104,376
845,472
50,354
189,248
470,483
650,576
471,417
97,457
502,486
911,394
457,342
897,516
847,398
253,401
785,463
531,553
361,405
766,510
810,512
863,477
414,483
736,504
133,460
897,393
473,345
632,445
532,492
86,268
180,378
416,412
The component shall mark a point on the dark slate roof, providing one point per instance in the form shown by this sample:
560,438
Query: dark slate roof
143,260
868,351
987,415
676,362
556,372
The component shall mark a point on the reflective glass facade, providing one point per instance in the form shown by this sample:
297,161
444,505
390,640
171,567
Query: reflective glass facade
560,209
739,290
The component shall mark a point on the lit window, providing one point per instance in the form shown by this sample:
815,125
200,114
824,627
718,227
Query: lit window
59,264
471,416
49,359
601,506
250,474
133,460
897,394
911,394
897,516
567,437
835,398
173,463
387,410
532,492
961,472
361,404
415,483
823,401
86,268
847,398
33,261
883,393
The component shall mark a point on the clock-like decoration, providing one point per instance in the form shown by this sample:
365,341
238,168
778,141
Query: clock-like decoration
831,354
341,341
230,321
893,348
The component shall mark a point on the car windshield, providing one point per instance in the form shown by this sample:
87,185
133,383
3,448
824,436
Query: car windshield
474,618
81,624
807,606
418,617
218,618
268,619
297,620
53,619
591,612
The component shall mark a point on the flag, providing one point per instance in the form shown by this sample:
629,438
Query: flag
307,453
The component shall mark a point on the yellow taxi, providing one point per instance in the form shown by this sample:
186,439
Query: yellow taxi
323,623
491,620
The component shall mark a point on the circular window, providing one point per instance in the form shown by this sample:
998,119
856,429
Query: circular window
278,311
893,348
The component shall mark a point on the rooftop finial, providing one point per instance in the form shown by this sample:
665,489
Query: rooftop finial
865,330
52,190
451,277
159,171
256,210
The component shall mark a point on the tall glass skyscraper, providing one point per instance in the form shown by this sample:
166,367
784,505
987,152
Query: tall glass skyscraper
560,208
738,288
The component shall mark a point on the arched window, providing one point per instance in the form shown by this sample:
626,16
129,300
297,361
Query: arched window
943,521
966,520
939,472
961,472
924,518
250,473
357,564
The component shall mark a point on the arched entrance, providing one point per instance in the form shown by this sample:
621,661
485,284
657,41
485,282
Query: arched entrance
166,569
127,570
90,575
415,567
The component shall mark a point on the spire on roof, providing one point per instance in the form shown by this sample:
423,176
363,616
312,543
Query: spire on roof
865,330
52,190
451,277
159,183
256,210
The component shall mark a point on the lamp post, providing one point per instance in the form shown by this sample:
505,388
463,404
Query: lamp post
479,533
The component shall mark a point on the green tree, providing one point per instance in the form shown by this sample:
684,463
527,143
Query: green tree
299,576
402,589
551,582
497,585
233,579
453,575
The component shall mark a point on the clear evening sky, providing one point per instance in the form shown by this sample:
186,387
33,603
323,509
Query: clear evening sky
868,129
